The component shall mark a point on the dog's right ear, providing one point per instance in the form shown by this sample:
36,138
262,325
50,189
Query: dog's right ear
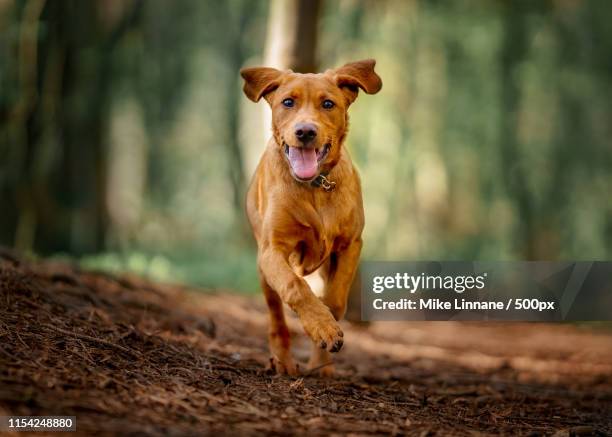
259,81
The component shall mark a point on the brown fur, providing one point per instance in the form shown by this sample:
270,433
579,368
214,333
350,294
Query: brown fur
301,228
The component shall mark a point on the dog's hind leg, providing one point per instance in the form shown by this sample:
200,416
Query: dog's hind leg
278,333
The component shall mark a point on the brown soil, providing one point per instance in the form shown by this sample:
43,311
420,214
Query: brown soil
130,357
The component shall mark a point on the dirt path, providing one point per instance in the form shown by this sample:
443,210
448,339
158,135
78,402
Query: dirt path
127,356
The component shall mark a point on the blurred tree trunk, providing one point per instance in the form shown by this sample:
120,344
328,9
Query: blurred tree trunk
513,52
57,126
18,146
236,55
573,30
293,35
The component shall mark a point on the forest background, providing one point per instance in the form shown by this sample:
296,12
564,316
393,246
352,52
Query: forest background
126,142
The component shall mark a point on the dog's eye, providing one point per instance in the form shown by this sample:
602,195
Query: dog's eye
288,103
328,104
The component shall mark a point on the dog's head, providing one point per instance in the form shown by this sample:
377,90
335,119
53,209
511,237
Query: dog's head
309,111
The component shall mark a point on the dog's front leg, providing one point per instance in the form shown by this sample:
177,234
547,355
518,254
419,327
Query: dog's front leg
316,318
338,284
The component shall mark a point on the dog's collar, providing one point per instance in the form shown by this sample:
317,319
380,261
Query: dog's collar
323,182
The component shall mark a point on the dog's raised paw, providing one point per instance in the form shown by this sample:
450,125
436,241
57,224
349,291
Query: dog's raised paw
323,329
337,346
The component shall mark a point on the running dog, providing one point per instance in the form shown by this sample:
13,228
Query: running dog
304,204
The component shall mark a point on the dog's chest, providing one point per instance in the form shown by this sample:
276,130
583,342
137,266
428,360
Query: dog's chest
326,230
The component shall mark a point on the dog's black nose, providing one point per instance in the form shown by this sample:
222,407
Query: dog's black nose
305,132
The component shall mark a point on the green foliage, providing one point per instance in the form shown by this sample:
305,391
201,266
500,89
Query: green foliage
221,271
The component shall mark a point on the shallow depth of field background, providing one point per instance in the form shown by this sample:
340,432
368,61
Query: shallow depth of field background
127,144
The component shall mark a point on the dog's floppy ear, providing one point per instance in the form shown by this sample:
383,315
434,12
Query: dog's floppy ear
355,75
259,81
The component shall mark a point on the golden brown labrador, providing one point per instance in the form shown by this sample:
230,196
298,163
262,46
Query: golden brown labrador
304,203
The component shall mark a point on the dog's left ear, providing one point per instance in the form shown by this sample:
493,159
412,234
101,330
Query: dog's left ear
355,75
259,81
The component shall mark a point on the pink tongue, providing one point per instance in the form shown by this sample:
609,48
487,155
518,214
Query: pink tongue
303,162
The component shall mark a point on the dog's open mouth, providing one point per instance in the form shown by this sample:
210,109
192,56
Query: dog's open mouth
305,161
